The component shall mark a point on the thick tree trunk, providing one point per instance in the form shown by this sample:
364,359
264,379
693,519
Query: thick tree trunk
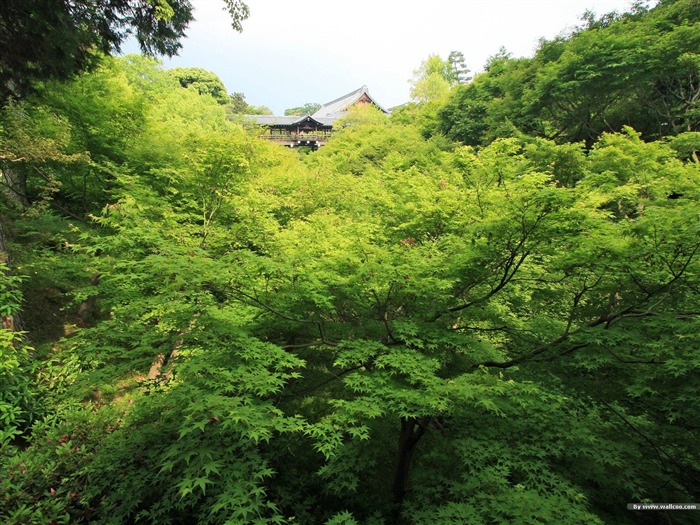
87,311
412,431
162,360
156,367
13,322
159,362
14,186
14,189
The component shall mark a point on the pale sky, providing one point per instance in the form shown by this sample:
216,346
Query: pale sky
296,51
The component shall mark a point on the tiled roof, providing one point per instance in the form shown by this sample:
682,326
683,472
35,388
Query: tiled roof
273,120
287,120
339,107
326,115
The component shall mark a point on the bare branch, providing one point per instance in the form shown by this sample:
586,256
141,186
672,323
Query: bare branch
257,302
309,345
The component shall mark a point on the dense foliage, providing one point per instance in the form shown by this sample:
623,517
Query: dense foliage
392,329
640,69
306,109
56,39
205,82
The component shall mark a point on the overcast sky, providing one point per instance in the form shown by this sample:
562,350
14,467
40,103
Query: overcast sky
296,51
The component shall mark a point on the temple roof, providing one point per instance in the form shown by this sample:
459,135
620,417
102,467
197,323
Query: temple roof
339,107
325,116
289,120
276,120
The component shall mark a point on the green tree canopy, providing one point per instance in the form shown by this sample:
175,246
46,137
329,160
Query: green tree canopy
239,106
459,72
55,39
205,82
392,330
638,69
306,109
432,80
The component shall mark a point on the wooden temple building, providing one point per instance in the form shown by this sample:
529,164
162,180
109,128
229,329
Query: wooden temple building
312,130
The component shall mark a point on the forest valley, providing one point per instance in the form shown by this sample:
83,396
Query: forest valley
482,309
